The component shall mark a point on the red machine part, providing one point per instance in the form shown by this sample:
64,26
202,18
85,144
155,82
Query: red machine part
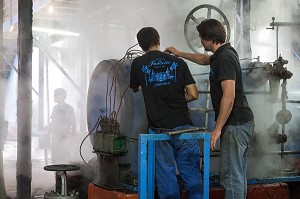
255,191
96,192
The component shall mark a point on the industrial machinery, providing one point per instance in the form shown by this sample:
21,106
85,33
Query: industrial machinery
198,14
116,116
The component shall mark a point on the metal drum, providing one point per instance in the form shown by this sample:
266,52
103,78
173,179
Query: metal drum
109,95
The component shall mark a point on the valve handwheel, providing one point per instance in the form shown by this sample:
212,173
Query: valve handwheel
195,17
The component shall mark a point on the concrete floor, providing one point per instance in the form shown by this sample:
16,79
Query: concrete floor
42,181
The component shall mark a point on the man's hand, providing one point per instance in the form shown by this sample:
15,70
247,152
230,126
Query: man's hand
197,58
214,136
172,50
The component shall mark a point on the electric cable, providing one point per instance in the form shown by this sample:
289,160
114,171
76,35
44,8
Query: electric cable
80,148
110,104
118,66
122,100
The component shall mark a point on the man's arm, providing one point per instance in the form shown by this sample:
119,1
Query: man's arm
228,88
201,59
191,92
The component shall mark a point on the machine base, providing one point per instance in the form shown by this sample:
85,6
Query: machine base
96,192
255,191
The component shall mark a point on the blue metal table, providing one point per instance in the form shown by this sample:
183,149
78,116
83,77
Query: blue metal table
146,160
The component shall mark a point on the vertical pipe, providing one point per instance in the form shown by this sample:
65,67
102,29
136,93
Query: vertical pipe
237,25
206,158
41,90
151,166
142,167
10,12
83,85
247,52
63,178
47,89
277,29
283,100
207,106
24,101
2,96
41,102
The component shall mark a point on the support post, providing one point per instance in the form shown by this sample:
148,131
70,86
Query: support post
24,101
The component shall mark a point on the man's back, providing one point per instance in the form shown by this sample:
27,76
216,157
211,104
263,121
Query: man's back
163,78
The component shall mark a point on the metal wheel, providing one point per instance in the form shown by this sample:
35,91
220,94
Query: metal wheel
195,17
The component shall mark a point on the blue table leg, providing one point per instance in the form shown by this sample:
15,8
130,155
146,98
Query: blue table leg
146,162
151,168
142,168
206,168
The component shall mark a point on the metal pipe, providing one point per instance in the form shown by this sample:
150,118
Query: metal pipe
277,24
16,70
277,29
248,92
284,24
258,92
2,105
184,130
283,100
216,153
63,183
285,152
293,101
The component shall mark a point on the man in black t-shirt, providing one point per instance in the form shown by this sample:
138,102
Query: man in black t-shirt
167,86
233,116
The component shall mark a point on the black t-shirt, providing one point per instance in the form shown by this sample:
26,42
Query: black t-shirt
163,78
224,65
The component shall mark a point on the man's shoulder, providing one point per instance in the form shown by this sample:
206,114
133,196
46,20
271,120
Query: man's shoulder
173,58
69,106
159,55
227,49
138,60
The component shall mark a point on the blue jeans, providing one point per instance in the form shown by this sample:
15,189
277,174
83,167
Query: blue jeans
235,142
186,154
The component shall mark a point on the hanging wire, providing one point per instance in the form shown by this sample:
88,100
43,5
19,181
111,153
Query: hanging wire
130,53
118,67
80,148
111,113
122,100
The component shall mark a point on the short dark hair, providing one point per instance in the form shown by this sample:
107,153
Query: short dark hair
212,30
147,37
60,92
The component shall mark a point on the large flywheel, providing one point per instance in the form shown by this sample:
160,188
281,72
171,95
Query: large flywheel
195,17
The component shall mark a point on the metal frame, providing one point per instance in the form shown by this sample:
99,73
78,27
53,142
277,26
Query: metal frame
146,157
